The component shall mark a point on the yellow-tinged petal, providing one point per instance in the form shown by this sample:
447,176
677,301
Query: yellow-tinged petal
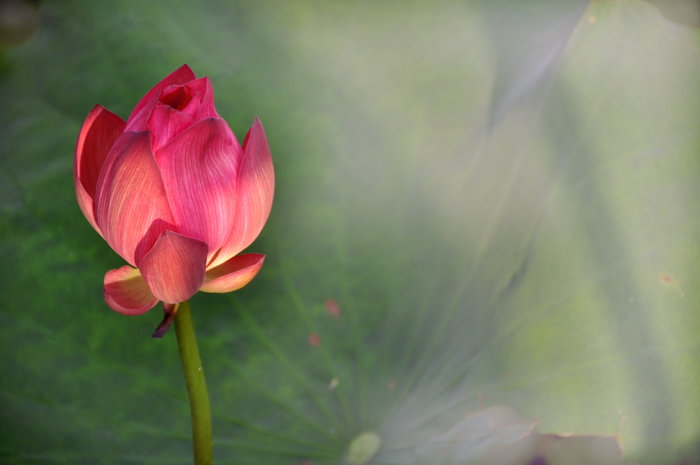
233,274
126,291
131,206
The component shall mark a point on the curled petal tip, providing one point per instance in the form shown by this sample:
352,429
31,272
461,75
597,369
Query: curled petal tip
169,311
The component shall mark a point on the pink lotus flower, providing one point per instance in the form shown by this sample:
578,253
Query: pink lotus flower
172,191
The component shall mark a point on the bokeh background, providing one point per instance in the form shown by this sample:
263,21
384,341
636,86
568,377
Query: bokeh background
481,206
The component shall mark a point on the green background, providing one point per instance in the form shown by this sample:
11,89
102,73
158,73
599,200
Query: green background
502,197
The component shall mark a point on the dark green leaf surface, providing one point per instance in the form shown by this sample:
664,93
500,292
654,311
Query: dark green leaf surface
496,227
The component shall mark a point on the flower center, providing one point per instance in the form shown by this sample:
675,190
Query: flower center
178,98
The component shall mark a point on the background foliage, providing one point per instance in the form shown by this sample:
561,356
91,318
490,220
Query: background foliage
501,198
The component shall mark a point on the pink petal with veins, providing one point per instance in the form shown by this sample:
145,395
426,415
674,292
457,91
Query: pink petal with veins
175,267
255,190
233,274
166,123
99,132
199,168
126,291
131,207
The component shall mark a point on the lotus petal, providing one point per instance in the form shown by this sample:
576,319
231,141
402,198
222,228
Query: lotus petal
175,267
180,76
233,274
97,136
126,291
199,168
256,188
206,108
164,123
131,207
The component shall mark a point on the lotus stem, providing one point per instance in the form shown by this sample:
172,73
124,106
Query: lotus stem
196,386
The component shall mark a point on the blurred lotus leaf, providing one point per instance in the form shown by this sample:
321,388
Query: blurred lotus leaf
499,198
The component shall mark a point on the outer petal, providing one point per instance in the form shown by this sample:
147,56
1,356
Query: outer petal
256,188
233,274
99,132
131,207
199,169
127,292
180,76
175,267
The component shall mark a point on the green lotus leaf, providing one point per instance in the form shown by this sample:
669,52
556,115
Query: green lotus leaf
483,210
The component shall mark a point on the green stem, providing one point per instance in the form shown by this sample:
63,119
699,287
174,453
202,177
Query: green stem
196,386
